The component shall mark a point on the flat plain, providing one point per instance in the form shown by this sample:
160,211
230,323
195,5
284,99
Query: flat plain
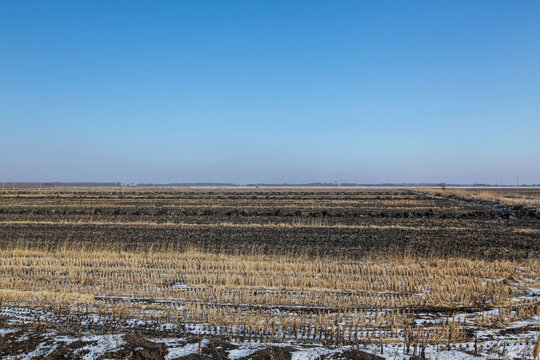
269,273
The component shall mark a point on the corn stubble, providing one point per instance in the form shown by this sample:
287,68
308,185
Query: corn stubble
276,298
334,267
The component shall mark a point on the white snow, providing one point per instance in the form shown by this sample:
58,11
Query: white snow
244,351
101,344
312,353
42,350
185,350
7,331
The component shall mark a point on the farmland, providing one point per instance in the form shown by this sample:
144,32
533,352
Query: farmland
269,273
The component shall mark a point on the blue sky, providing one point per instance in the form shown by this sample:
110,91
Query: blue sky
253,91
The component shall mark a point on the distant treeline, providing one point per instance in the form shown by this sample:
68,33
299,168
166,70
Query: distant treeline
184,184
33,185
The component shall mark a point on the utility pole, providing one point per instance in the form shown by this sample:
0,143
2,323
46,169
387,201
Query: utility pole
517,181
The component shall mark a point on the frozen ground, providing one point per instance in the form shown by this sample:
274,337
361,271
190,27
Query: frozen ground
22,338
120,346
36,333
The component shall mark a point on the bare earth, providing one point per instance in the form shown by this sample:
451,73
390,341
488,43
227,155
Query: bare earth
269,274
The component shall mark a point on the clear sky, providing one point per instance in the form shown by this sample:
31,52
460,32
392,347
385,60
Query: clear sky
276,91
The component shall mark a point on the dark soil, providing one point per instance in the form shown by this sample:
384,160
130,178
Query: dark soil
389,220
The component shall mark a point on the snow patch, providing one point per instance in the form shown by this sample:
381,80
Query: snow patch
185,350
101,345
7,331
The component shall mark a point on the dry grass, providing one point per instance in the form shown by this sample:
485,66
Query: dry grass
272,298
296,223
500,196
